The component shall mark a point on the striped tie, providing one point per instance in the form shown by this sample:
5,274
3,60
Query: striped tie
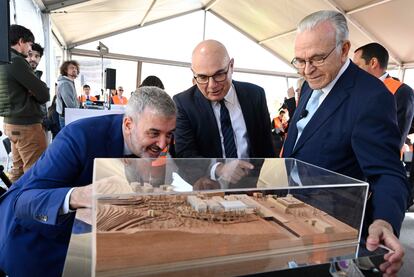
227,131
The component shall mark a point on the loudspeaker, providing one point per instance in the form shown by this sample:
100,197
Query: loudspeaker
110,78
4,31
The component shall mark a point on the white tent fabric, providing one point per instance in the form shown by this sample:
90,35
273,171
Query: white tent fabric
270,23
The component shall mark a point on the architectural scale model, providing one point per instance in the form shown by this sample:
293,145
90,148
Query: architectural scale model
148,230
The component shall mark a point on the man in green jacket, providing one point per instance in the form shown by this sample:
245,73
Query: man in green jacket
21,95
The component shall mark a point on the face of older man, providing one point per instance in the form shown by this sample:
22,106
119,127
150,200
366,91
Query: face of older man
213,69
150,134
316,44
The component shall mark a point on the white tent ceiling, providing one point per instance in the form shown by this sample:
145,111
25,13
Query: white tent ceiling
271,23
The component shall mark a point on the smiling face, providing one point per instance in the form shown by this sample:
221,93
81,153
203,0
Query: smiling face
150,134
319,41
210,58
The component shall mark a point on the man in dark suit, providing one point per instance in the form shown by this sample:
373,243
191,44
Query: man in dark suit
37,212
346,122
373,58
221,118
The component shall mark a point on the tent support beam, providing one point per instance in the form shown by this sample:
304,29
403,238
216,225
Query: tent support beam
370,36
144,19
96,54
62,4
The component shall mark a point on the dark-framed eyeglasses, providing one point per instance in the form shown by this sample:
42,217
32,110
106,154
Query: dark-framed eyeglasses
218,77
315,60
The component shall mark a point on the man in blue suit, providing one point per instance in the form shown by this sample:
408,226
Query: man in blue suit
37,212
203,131
346,122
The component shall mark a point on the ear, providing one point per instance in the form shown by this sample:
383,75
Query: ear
127,122
232,65
345,50
373,63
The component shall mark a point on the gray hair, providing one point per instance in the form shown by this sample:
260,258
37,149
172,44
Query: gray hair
337,19
152,97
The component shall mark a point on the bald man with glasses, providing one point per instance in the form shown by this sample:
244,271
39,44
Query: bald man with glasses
219,117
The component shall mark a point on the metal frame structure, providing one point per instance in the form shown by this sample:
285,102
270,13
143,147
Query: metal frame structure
209,6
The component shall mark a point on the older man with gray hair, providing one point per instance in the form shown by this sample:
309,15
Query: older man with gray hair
39,208
346,122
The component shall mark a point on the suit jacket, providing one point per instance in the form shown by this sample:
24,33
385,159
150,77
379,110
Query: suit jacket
354,132
33,236
197,133
404,98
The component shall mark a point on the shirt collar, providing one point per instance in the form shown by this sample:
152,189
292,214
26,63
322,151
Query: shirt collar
383,76
230,96
329,87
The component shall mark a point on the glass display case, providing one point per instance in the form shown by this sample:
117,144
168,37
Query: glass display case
188,217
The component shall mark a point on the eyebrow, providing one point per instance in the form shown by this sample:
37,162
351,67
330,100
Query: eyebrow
159,131
217,72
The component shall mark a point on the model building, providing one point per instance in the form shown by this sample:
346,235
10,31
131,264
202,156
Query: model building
140,231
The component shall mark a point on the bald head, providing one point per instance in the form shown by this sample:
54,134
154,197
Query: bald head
210,49
210,59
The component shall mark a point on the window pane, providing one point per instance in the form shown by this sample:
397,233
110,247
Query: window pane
175,79
275,88
91,74
409,77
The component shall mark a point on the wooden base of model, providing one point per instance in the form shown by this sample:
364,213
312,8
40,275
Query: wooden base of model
213,234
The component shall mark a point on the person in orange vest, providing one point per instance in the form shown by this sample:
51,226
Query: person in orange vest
279,123
86,95
118,99
279,128
373,58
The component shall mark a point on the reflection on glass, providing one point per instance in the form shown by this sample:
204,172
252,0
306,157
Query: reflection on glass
154,215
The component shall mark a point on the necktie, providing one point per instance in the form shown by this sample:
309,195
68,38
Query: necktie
87,97
311,107
227,131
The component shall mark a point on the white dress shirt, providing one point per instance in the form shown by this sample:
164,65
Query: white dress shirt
237,122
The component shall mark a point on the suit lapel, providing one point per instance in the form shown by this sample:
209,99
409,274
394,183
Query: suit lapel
207,113
332,102
293,131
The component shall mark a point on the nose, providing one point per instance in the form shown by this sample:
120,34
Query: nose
211,82
309,68
163,142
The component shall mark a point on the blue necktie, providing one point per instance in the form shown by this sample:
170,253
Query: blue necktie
227,131
311,107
